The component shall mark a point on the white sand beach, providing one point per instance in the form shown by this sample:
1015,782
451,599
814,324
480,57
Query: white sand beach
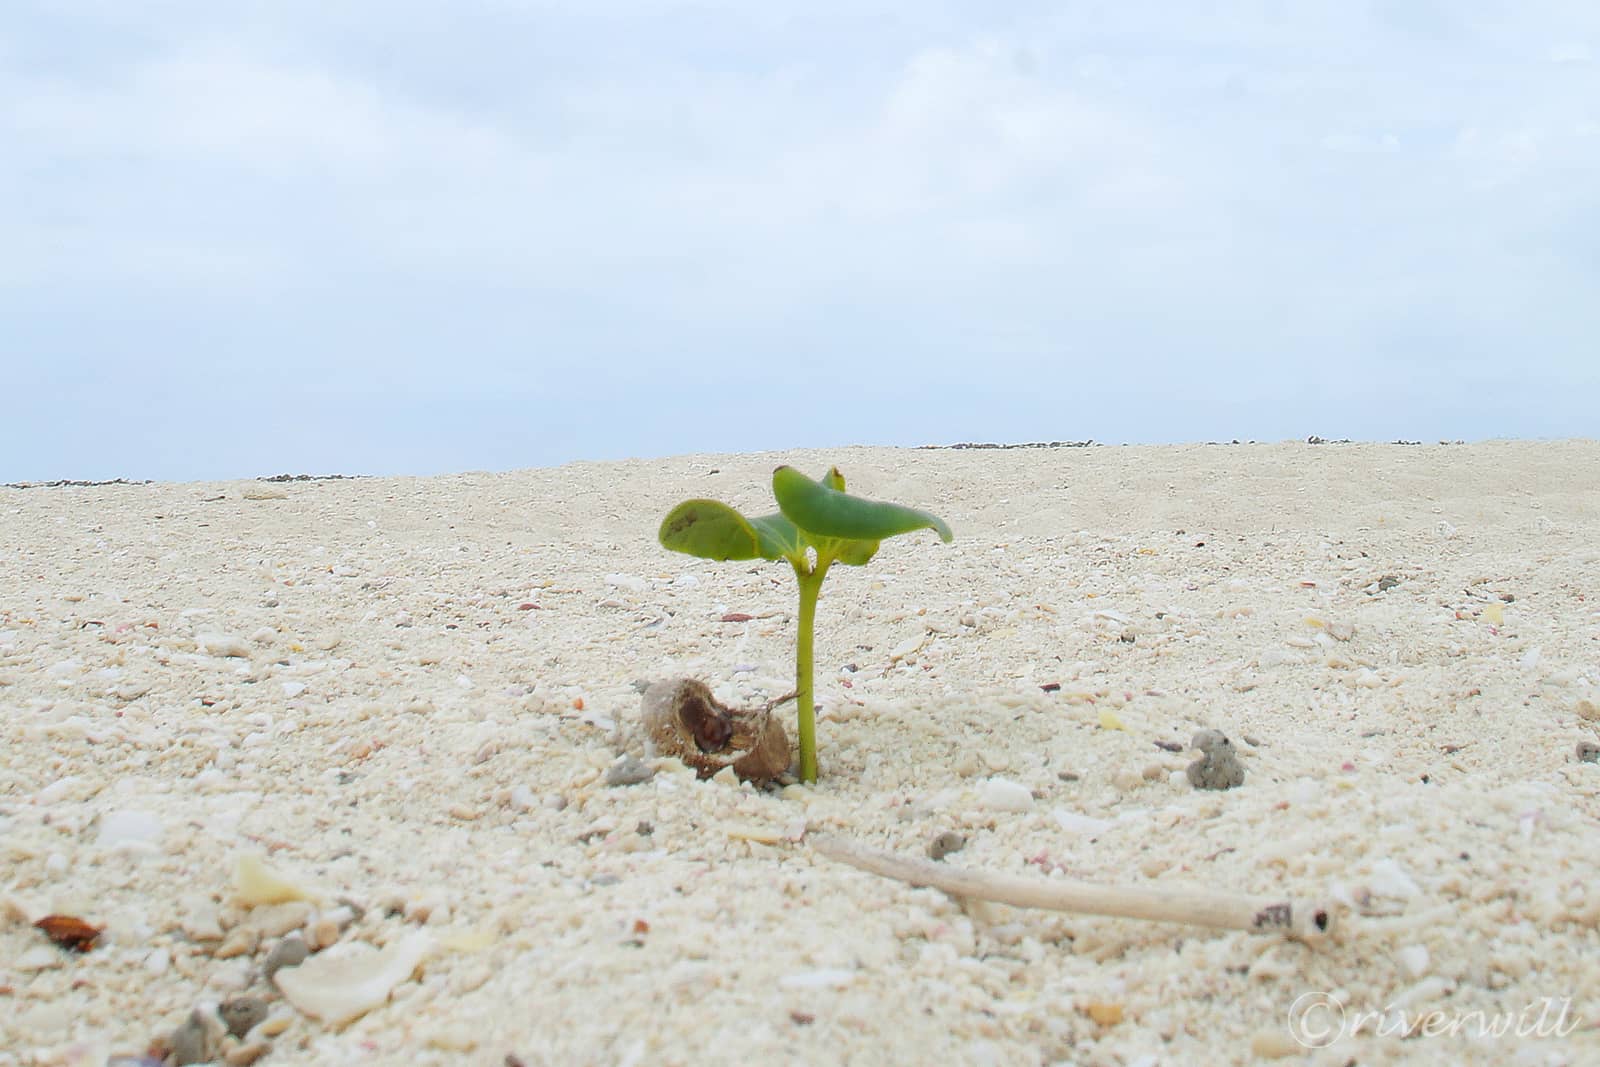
401,697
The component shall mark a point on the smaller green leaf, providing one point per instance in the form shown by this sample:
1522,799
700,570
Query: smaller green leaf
710,529
853,552
780,538
820,509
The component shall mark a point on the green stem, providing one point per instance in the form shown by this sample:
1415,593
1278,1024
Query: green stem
805,690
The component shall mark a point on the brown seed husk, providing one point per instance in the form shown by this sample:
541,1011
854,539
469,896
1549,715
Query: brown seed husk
682,718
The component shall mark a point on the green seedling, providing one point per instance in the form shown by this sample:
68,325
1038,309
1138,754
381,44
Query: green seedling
817,524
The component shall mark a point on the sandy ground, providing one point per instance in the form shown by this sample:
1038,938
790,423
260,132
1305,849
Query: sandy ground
400,696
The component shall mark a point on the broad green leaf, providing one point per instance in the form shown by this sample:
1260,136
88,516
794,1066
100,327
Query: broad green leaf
844,549
822,510
710,529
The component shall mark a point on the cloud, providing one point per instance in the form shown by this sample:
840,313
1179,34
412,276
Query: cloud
1115,204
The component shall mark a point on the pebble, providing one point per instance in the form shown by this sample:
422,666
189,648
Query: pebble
826,978
57,790
200,920
241,941
37,958
1076,823
241,1014
945,843
428,908
1413,960
195,1041
629,770
1588,752
1127,779
1275,1045
275,920
1588,710
1388,879
322,934
264,492
132,831
223,645
1219,766
453,1038
228,980
290,952
1002,794
907,647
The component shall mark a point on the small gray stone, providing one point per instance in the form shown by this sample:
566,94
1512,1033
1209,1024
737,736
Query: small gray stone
944,844
192,1042
1588,752
241,1014
290,952
629,770
1219,766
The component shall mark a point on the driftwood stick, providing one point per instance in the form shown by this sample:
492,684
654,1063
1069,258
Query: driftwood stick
1224,911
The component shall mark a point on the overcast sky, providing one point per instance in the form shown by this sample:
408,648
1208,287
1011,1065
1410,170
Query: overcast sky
384,236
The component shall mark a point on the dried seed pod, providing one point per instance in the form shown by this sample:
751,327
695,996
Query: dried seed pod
682,718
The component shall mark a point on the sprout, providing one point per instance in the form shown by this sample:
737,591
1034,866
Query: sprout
817,524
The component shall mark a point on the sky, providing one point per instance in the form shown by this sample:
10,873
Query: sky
395,237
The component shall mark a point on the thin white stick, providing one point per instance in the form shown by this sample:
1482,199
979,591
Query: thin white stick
1224,911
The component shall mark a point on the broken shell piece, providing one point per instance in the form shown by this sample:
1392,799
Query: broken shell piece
682,718
344,983
254,884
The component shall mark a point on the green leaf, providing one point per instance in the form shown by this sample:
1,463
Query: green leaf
843,549
856,553
779,537
710,529
820,509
